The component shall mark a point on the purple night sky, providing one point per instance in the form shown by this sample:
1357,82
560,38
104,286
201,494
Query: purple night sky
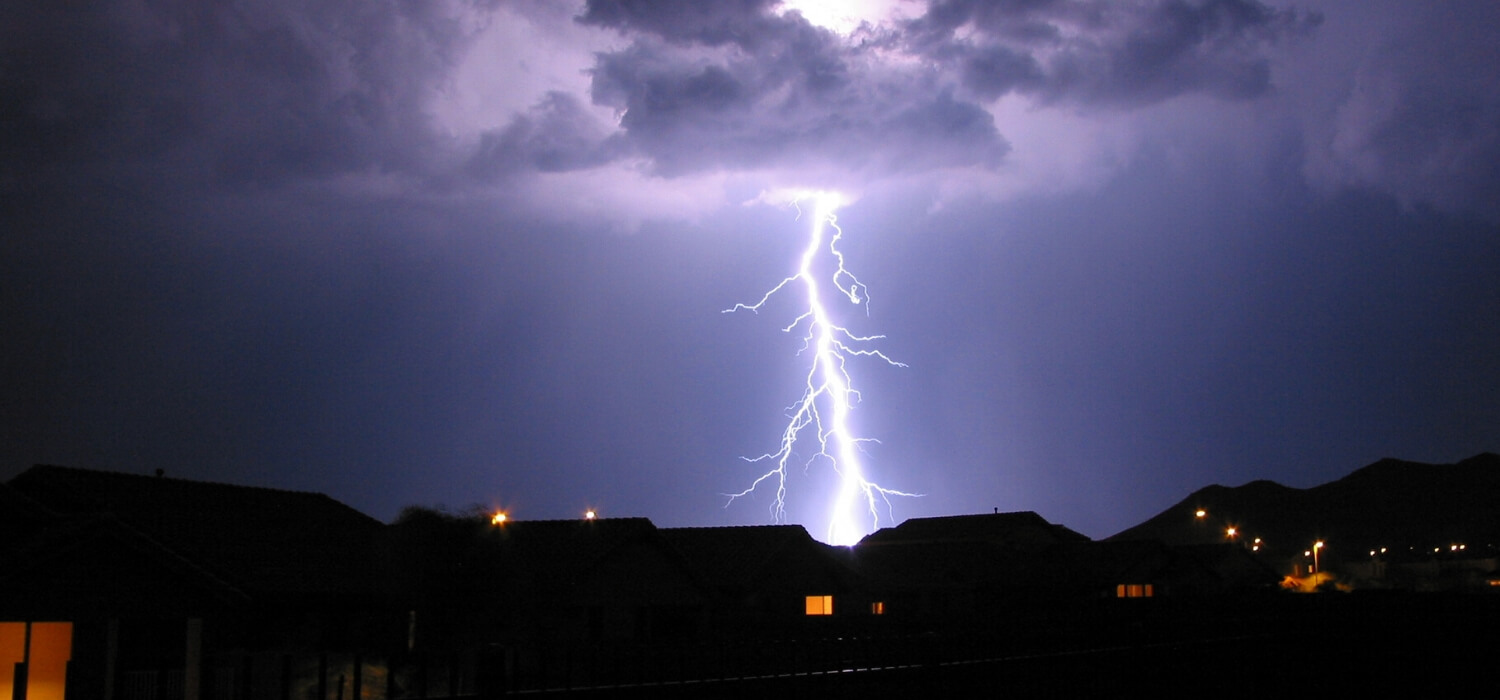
477,252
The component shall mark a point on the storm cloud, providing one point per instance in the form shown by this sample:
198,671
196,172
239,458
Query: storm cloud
263,92
1105,54
737,85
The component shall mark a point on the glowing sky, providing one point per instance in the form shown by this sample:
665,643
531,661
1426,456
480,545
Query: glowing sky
475,252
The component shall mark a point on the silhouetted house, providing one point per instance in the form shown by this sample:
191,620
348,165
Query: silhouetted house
983,568
1133,569
192,589
769,579
17,509
1237,568
610,578
449,574
957,569
923,585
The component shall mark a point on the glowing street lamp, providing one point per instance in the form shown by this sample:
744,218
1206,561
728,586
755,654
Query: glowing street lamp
499,518
589,514
1316,546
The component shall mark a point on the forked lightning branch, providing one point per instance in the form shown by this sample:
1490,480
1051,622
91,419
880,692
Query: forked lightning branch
821,416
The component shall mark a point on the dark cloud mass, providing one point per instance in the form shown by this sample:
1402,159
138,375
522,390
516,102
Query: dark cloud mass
1421,118
1103,54
558,134
784,93
742,22
732,85
261,91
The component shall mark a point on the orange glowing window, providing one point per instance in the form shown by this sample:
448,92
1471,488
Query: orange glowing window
12,652
1134,590
877,608
820,605
51,649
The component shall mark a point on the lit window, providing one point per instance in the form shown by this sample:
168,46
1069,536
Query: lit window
51,649
12,652
877,608
820,605
1134,590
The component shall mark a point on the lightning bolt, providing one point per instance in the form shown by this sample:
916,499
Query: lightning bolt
829,395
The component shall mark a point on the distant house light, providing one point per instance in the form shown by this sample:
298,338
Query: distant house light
820,605
877,608
1134,590
1201,513
589,515
499,518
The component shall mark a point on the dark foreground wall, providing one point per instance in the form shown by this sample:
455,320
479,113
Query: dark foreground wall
1337,644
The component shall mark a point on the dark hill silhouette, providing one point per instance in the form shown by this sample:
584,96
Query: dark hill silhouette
1409,508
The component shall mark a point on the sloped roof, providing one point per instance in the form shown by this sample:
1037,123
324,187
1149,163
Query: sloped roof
98,565
608,560
758,556
260,540
571,545
562,552
1022,530
15,505
1233,563
21,519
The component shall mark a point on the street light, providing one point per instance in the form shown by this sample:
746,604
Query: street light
1316,546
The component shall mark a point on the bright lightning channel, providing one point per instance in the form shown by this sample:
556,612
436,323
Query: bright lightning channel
829,394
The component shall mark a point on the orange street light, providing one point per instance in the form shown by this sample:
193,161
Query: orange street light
1200,514
499,518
